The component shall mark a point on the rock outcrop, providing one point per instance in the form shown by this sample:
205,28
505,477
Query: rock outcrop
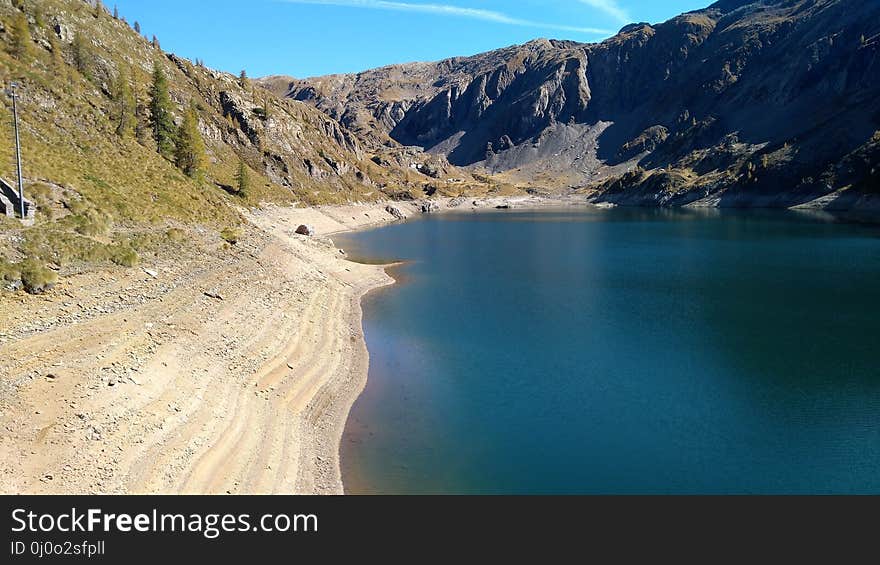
429,207
396,212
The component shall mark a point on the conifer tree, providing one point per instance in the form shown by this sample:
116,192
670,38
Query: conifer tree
39,18
115,12
99,8
242,179
82,55
161,119
57,57
155,42
124,106
243,79
137,27
190,153
140,131
21,38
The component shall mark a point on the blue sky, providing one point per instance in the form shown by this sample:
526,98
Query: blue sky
314,37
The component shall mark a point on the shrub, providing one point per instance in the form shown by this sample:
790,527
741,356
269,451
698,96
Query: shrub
75,206
175,234
92,223
124,256
230,235
9,272
41,194
36,278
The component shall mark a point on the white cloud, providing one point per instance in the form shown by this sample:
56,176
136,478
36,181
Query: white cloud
449,10
610,7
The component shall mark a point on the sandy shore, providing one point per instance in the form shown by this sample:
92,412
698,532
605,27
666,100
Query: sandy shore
232,370
121,382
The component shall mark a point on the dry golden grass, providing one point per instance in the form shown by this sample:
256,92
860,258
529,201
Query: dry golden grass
97,191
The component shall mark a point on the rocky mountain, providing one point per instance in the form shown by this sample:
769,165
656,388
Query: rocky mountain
758,103
744,103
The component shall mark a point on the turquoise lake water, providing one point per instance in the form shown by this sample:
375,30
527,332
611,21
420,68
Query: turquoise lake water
620,351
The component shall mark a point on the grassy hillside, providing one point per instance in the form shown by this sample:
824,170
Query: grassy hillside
104,197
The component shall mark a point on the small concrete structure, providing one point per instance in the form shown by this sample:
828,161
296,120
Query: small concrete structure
6,207
10,205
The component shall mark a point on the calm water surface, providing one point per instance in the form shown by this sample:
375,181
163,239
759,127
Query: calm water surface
620,351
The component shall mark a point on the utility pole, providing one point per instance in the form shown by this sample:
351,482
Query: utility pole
14,95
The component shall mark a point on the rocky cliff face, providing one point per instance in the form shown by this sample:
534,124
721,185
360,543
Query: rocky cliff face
770,102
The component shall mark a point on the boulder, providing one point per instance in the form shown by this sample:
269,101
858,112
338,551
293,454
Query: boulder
396,212
429,170
305,230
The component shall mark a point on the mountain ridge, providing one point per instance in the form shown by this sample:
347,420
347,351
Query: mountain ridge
722,103
744,103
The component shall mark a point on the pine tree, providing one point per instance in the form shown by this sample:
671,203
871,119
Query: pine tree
242,179
124,106
243,79
115,12
190,153
21,38
137,27
57,57
161,119
155,42
39,18
140,131
82,55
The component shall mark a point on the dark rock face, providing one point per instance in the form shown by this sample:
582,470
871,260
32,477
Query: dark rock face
396,212
429,207
734,101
